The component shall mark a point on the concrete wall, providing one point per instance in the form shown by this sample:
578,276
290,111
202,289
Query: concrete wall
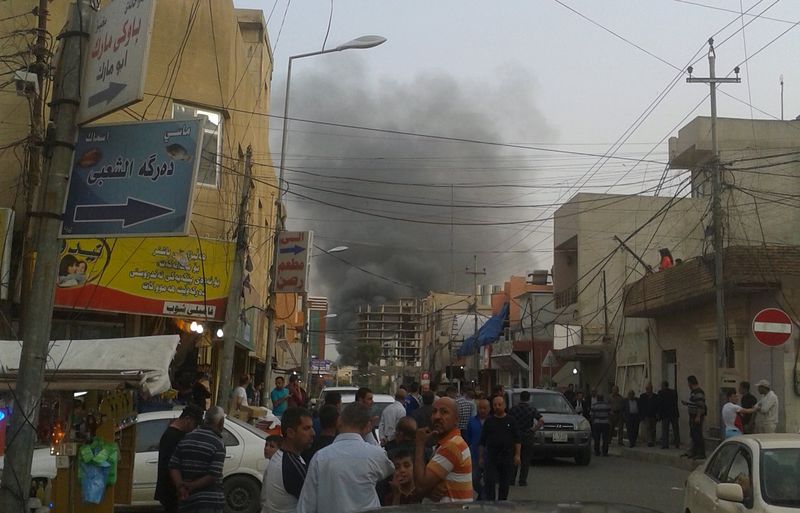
593,220
692,334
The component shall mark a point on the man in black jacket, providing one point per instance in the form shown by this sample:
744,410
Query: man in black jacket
166,493
648,411
668,412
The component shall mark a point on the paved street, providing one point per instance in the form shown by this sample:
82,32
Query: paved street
611,479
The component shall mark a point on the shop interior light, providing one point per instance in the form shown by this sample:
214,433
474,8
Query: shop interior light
2,415
200,328
80,394
193,326
220,333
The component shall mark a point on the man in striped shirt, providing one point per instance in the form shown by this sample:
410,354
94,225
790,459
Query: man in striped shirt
196,466
601,424
697,412
448,476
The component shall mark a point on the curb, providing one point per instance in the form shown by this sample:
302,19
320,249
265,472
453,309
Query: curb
672,460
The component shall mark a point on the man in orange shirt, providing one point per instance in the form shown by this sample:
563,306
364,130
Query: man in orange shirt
448,476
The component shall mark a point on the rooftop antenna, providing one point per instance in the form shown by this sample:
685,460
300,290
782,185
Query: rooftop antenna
781,79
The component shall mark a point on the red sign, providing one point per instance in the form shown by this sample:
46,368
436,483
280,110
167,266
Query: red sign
772,327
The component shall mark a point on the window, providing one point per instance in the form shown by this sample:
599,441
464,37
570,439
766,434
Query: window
718,468
211,155
779,471
148,434
229,439
741,474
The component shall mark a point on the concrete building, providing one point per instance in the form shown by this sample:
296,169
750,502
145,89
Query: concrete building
519,358
760,268
216,63
397,329
591,269
449,319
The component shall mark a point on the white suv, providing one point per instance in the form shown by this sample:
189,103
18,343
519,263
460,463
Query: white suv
242,473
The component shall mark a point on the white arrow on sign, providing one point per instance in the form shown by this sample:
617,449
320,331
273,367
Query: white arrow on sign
116,62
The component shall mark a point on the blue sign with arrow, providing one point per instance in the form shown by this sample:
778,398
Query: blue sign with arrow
133,179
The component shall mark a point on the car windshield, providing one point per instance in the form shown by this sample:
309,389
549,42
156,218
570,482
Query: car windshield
780,469
549,403
248,427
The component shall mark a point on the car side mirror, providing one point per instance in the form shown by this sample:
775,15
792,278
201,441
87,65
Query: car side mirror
730,492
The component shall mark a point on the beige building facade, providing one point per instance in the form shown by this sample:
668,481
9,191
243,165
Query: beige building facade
213,62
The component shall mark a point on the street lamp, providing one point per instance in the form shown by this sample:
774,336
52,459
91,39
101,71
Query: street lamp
360,43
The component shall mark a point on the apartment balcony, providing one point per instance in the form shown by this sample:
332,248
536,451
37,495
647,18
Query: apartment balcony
566,297
748,269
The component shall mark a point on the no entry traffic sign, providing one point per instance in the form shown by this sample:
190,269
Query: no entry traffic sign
772,327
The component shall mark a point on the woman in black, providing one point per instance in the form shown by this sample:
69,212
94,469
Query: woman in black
501,444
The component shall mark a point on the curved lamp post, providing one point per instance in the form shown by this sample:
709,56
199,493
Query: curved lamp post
360,43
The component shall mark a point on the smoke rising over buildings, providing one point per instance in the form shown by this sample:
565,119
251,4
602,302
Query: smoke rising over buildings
345,184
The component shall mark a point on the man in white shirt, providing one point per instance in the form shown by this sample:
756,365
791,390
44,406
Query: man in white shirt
286,472
239,396
767,409
391,416
342,477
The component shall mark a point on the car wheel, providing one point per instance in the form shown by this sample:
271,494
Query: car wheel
242,495
583,458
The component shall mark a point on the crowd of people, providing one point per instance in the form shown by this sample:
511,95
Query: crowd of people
615,415
422,448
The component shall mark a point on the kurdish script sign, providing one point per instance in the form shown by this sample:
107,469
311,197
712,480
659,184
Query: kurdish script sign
183,277
133,180
294,257
116,66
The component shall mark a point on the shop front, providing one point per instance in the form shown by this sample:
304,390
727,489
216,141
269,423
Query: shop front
85,428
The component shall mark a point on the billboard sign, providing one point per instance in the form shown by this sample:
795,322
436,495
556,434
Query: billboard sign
133,180
116,64
294,257
181,277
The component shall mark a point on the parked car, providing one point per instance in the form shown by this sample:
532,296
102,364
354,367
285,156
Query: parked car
758,473
242,473
342,390
565,433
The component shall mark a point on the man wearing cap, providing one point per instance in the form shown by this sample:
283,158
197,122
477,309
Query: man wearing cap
166,493
766,409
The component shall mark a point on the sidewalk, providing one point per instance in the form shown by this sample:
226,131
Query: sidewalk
671,457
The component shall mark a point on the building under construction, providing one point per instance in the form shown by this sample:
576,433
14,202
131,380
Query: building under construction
397,328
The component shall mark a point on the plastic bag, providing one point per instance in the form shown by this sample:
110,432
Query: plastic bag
93,482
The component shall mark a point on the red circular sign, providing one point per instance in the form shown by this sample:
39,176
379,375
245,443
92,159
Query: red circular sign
772,327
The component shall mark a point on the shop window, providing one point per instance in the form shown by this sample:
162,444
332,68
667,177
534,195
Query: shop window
211,154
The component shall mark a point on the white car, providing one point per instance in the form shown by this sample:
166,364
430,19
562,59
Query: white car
242,473
380,402
758,473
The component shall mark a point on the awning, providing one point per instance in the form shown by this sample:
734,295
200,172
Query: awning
581,352
487,334
99,364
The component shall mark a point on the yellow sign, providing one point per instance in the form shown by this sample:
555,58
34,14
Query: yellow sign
169,276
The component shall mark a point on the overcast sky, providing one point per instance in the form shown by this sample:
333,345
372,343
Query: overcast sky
535,72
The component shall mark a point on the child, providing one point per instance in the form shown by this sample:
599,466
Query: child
272,445
402,483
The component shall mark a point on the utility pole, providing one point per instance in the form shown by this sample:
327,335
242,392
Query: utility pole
272,329
475,273
233,310
605,309
34,171
781,97
38,315
716,193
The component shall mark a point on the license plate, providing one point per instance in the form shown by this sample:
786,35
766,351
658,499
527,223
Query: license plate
560,437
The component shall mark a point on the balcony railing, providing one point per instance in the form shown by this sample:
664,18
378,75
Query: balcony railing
566,297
